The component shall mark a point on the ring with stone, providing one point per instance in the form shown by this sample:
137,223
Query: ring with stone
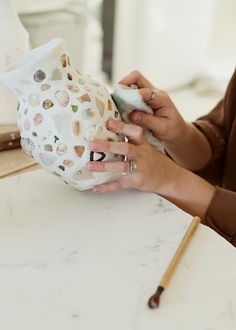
132,167
151,98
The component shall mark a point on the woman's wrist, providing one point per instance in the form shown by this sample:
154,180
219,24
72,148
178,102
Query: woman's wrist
191,149
182,137
188,191
170,172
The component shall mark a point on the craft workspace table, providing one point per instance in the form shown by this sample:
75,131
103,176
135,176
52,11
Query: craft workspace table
12,158
74,260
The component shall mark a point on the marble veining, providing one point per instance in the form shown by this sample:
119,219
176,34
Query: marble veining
76,260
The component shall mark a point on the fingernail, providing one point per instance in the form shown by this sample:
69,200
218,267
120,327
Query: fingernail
97,189
111,122
137,117
89,166
93,145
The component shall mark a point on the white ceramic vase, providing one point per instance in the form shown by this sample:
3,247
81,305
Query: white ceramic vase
14,41
59,111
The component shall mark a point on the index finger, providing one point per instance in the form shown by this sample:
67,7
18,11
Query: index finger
136,78
120,148
133,132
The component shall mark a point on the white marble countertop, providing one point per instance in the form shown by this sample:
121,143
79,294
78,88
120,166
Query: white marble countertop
75,260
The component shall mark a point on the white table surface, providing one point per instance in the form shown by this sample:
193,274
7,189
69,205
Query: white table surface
74,260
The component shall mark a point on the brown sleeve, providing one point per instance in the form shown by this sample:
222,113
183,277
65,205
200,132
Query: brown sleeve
213,128
221,214
216,127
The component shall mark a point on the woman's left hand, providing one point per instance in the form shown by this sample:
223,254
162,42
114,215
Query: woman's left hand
155,172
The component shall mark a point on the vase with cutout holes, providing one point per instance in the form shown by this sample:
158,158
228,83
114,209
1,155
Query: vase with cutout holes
59,111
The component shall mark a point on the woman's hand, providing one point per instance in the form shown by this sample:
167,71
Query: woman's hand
154,170
166,124
182,140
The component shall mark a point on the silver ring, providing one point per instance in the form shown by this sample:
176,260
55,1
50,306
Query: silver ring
132,167
151,98
133,86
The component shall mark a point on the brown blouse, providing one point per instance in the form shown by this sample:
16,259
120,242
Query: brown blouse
219,127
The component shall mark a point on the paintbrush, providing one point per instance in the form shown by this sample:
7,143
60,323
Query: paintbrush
154,300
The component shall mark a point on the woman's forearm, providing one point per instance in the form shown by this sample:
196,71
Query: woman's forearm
191,150
189,192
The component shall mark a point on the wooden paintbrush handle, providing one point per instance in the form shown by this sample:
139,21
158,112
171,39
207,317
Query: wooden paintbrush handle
186,239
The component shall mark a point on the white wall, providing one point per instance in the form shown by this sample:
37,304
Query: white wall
222,55
221,58
167,40
173,41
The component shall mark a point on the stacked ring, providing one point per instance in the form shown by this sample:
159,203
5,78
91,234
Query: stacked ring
132,167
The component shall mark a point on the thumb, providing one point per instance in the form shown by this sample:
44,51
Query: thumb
144,119
154,124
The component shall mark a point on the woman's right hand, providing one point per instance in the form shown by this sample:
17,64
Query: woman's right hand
153,172
166,123
182,140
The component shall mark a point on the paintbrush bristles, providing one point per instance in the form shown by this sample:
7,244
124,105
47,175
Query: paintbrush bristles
154,301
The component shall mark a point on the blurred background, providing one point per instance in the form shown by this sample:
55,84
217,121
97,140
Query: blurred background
185,46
